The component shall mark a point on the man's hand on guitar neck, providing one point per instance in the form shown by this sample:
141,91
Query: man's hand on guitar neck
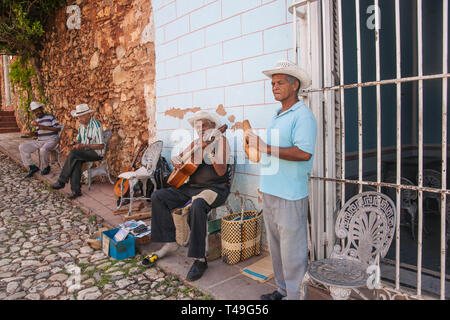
177,162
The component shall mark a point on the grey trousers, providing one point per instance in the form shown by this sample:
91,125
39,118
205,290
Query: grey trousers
27,148
72,168
286,228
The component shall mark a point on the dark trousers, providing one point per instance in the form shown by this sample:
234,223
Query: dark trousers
165,200
72,168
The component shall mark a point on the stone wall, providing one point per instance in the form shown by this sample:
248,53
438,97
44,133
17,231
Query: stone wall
2,89
107,63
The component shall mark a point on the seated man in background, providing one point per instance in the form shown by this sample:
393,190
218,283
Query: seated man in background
89,147
208,187
47,138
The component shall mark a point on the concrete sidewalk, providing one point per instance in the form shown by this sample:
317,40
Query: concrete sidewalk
221,281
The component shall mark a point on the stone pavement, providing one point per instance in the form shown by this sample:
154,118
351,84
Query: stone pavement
66,229
43,254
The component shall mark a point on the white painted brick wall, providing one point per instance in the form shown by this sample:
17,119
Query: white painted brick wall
212,52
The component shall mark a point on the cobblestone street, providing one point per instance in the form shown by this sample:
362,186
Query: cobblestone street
43,253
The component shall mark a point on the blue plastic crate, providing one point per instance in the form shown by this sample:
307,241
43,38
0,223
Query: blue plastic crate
118,250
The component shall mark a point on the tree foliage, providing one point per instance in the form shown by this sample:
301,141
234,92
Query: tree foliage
22,24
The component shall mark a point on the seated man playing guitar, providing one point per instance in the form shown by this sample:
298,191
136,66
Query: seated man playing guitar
208,187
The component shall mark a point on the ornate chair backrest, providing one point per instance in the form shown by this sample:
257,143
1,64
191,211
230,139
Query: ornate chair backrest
407,196
431,179
366,227
151,156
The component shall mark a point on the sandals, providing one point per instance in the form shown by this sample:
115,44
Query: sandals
150,260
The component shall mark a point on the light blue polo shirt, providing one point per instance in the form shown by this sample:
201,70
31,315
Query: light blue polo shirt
294,127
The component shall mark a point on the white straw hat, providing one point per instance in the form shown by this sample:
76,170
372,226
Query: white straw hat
80,110
292,69
36,105
204,115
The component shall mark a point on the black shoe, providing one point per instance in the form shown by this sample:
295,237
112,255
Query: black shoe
197,270
33,170
74,195
45,171
57,185
276,295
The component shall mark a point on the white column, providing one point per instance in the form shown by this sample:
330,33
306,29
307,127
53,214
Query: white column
6,80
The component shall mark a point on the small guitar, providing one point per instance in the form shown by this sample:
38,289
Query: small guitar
180,175
124,182
252,153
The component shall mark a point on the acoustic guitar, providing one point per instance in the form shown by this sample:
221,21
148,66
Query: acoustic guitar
124,182
180,175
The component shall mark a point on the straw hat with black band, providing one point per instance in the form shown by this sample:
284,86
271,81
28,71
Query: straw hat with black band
203,115
81,110
292,69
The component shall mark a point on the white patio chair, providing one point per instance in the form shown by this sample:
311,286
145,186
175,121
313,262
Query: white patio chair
365,227
432,179
147,171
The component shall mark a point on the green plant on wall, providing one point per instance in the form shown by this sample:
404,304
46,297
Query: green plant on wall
22,27
21,74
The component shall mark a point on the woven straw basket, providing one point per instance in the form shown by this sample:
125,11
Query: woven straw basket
181,226
241,239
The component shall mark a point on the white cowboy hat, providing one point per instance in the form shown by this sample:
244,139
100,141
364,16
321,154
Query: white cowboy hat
204,115
292,69
80,110
36,105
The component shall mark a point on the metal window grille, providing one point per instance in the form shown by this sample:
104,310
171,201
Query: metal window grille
319,47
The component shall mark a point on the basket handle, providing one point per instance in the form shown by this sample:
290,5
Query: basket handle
242,209
229,206
252,203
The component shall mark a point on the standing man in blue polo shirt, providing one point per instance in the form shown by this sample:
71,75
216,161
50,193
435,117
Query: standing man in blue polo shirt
285,192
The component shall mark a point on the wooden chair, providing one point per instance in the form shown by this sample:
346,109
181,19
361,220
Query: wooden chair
365,227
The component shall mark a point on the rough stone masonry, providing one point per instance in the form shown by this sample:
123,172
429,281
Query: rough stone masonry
107,63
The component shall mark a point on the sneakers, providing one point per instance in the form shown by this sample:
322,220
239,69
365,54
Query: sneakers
45,171
197,270
33,170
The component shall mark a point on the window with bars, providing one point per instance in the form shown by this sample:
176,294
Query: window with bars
380,92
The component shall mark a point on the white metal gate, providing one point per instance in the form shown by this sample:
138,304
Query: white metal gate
318,46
